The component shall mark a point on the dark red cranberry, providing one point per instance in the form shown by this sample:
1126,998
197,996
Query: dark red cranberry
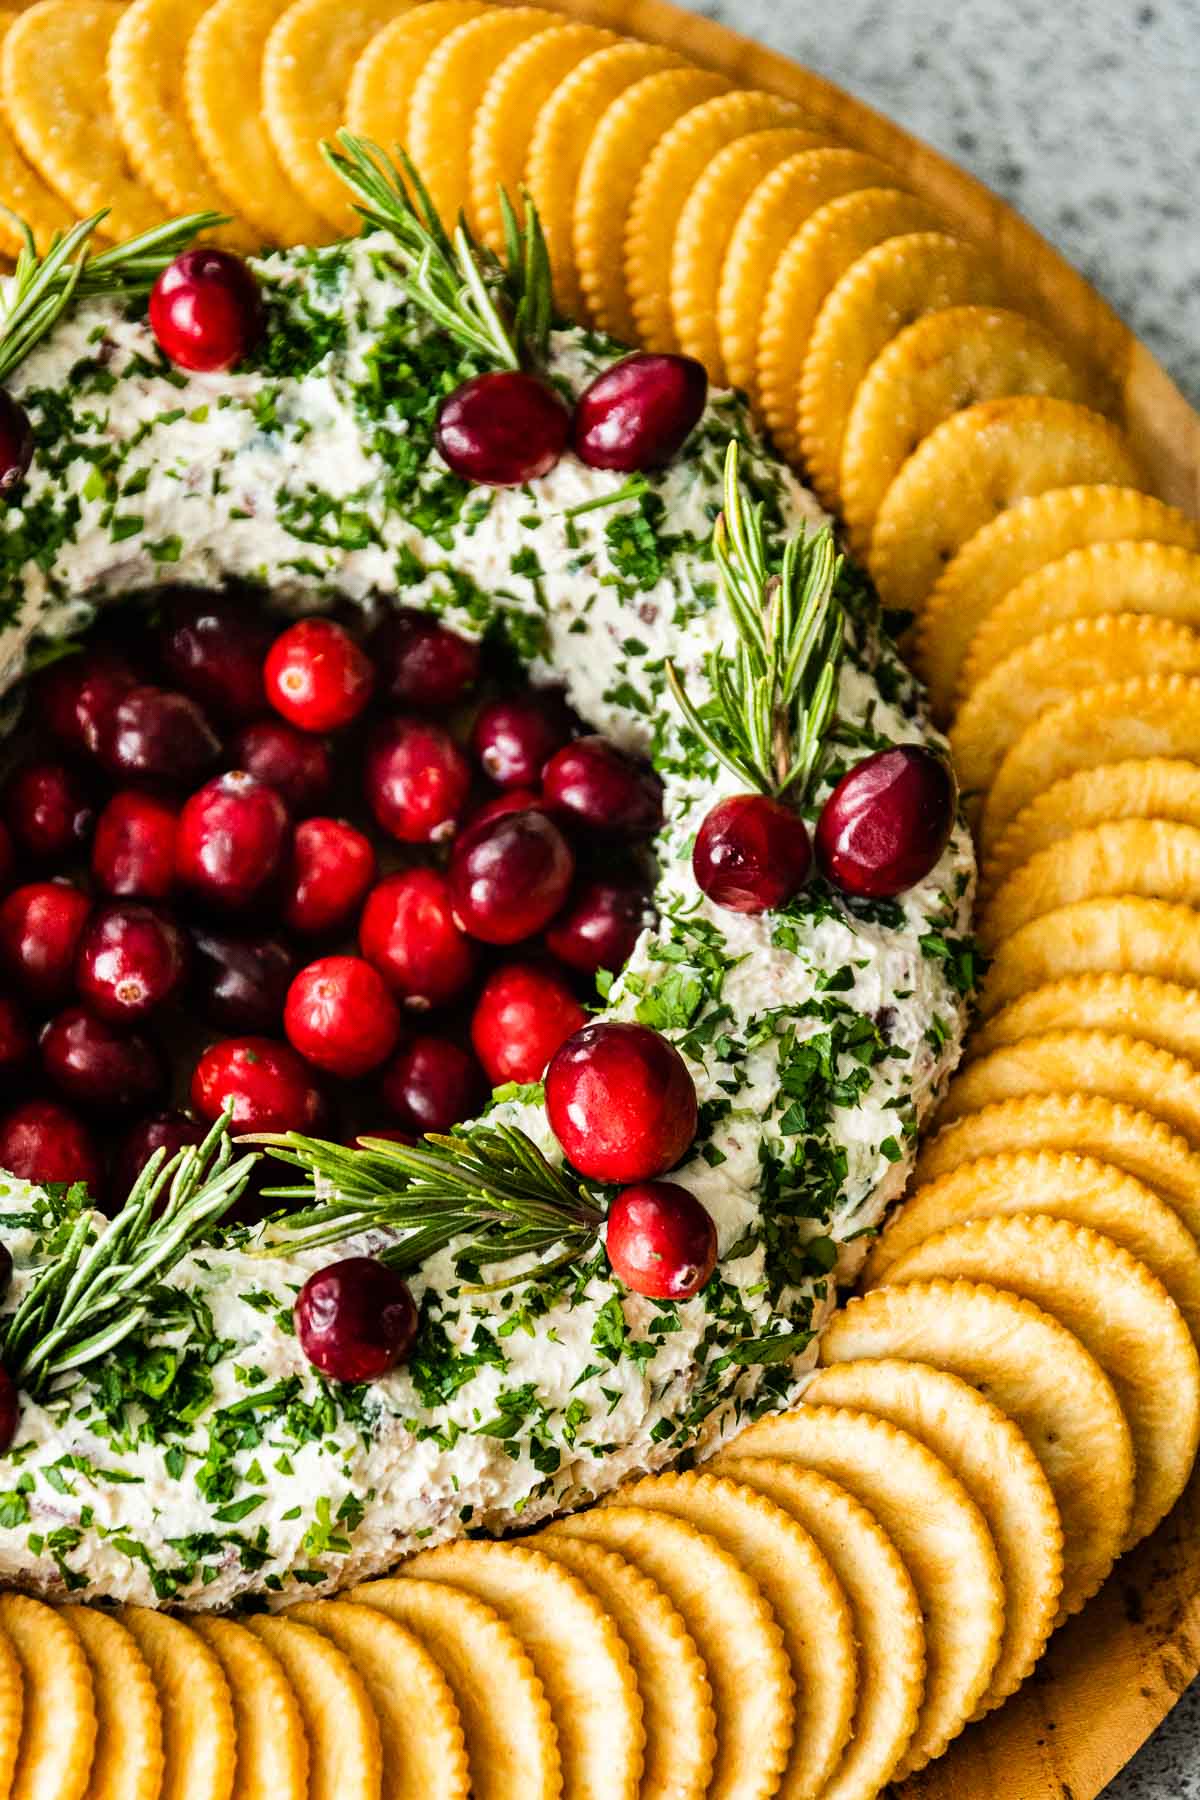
16,444
599,926
169,1131
332,867
522,1016
133,851
297,765
420,663
40,929
407,932
212,647
98,1064
355,1320
432,1084
502,429
637,414
599,786
751,854
156,734
206,309
44,1142
8,859
417,780
887,822
621,1102
232,839
268,1085
132,961
660,1241
242,982
509,877
317,677
48,810
16,1039
340,1016
515,738
10,1410
76,698
514,801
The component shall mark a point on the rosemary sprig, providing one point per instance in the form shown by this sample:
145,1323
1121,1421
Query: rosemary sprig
500,310
97,1290
773,703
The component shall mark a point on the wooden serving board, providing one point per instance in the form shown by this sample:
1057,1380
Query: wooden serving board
1112,1675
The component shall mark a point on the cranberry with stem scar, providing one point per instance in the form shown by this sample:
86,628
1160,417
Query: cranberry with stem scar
660,1240
407,932
515,737
232,839
886,822
355,1319
16,444
317,677
267,1085
340,1016
521,1017
752,854
417,780
132,961
621,1102
502,429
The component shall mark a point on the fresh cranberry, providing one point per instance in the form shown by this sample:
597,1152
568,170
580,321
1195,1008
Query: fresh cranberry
407,932
420,663
213,647
156,734
509,877
76,698
169,1131
232,839
48,810
332,867
751,854
637,414
16,444
267,1084
340,1016
42,1141
522,1016
242,982
16,1040
317,677
515,738
433,1084
206,310
514,801
8,859
887,822
40,929
599,786
355,1320
660,1240
97,1064
621,1102
296,764
417,780
133,851
10,1410
502,429
599,926
132,961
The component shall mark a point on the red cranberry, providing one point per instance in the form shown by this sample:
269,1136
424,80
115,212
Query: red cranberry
98,1064
621,1102
433,1084
317,677
206,310
523,1014
340,1016
332,867
268,1085
420,663
42,1141
514,738
514,801
16,1040
156,734
417,780
502,429
887,822
16,444
407,932
751,854
77,697
355,1320
637,414
10,1410
40,929
509,877
242,982
232,838
169,1131
600,787
132,960
297,765
133,851
599,926
660,1241
213,647
47,810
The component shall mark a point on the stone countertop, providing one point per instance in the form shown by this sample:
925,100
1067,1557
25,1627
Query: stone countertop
1085,114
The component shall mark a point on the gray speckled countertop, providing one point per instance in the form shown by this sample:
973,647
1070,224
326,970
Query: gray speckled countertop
1086,115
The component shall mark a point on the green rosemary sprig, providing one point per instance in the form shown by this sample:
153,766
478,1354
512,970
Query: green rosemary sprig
500,310
773,703
98,1288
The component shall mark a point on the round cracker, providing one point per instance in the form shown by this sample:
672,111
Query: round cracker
731,1626
387,70
940,1534
1150,857
23,191
981,1446
935,367
46,1683
1126,935
128,1760
803,1593
974,465
1164,1013
886,1614
512,1746
883,292
1037,1372
199,1738
272,1748
344,1746
580,1657
11,1707
677,1710
1119,1312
